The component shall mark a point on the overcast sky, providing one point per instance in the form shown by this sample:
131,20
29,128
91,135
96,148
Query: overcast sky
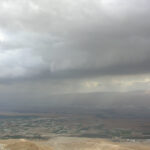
52,47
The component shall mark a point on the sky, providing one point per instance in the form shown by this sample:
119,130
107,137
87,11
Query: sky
58,47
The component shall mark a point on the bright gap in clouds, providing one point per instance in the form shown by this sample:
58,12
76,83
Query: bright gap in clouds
117,8
2,37
109,4
110,7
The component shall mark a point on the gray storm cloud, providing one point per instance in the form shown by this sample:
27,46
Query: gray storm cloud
73,39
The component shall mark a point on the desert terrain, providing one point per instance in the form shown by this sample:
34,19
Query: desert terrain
47,126
67,143
72,132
